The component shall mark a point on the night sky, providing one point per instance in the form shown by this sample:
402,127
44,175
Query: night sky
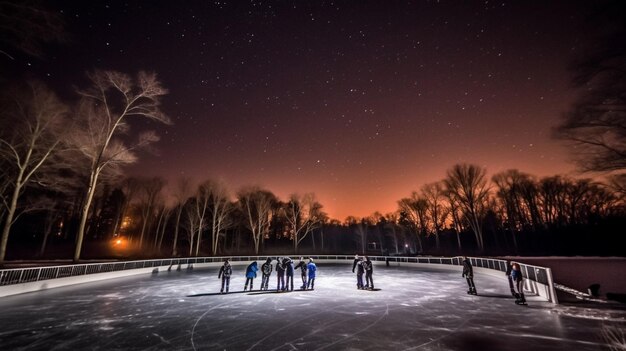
361,102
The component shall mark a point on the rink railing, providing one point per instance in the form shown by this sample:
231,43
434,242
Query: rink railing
538,279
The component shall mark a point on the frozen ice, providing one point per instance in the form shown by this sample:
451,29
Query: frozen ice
415,309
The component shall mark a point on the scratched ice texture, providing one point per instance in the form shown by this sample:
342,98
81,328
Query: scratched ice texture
415,309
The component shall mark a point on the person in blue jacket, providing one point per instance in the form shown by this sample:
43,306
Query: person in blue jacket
250,275
518,284
509,268
288,263
302,266
280,275
225,271
312,268
266,269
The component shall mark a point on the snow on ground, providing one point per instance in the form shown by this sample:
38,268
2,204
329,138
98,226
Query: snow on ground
416,309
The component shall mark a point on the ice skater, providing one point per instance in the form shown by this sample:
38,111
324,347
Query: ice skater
280,275
250,275
358,265
302,266
288,264
225,271
468,273
368,267
518,281
266,269
509,267
311,268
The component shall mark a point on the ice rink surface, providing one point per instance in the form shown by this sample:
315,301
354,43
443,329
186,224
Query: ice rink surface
416,309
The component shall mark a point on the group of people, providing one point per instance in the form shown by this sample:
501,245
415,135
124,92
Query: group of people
513,274
284,268
363,265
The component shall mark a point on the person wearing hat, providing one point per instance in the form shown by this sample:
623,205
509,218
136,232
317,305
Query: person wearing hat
311,268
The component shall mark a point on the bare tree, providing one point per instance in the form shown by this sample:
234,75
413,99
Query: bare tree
191,223
517,196
106,107
362,230
130,187
32,129
202,200
149,190
221,207
391,222
182,192
467,185
164,214
304,214
434,193
596,123
415,209
617,183
26,26
256,204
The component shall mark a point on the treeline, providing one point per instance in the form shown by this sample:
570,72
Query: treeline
466,212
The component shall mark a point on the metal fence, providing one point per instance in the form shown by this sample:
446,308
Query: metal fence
536,274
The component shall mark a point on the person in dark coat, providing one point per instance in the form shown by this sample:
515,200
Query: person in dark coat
288,264
280,275
302,266
312,269
358,266
225,271
368,267
266,269
468,273
509,267
250,275
518,283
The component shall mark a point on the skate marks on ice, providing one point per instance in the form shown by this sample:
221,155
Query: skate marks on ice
217,293
269,292
193,330
417,309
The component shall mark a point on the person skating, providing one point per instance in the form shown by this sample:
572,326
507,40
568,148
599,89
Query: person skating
280,275
509,267
288,264
225,271
266,269
518,283
250,275
302,266
468,273
368,267
358,266
311,268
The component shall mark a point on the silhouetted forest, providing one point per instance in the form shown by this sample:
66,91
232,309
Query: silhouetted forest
511,213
